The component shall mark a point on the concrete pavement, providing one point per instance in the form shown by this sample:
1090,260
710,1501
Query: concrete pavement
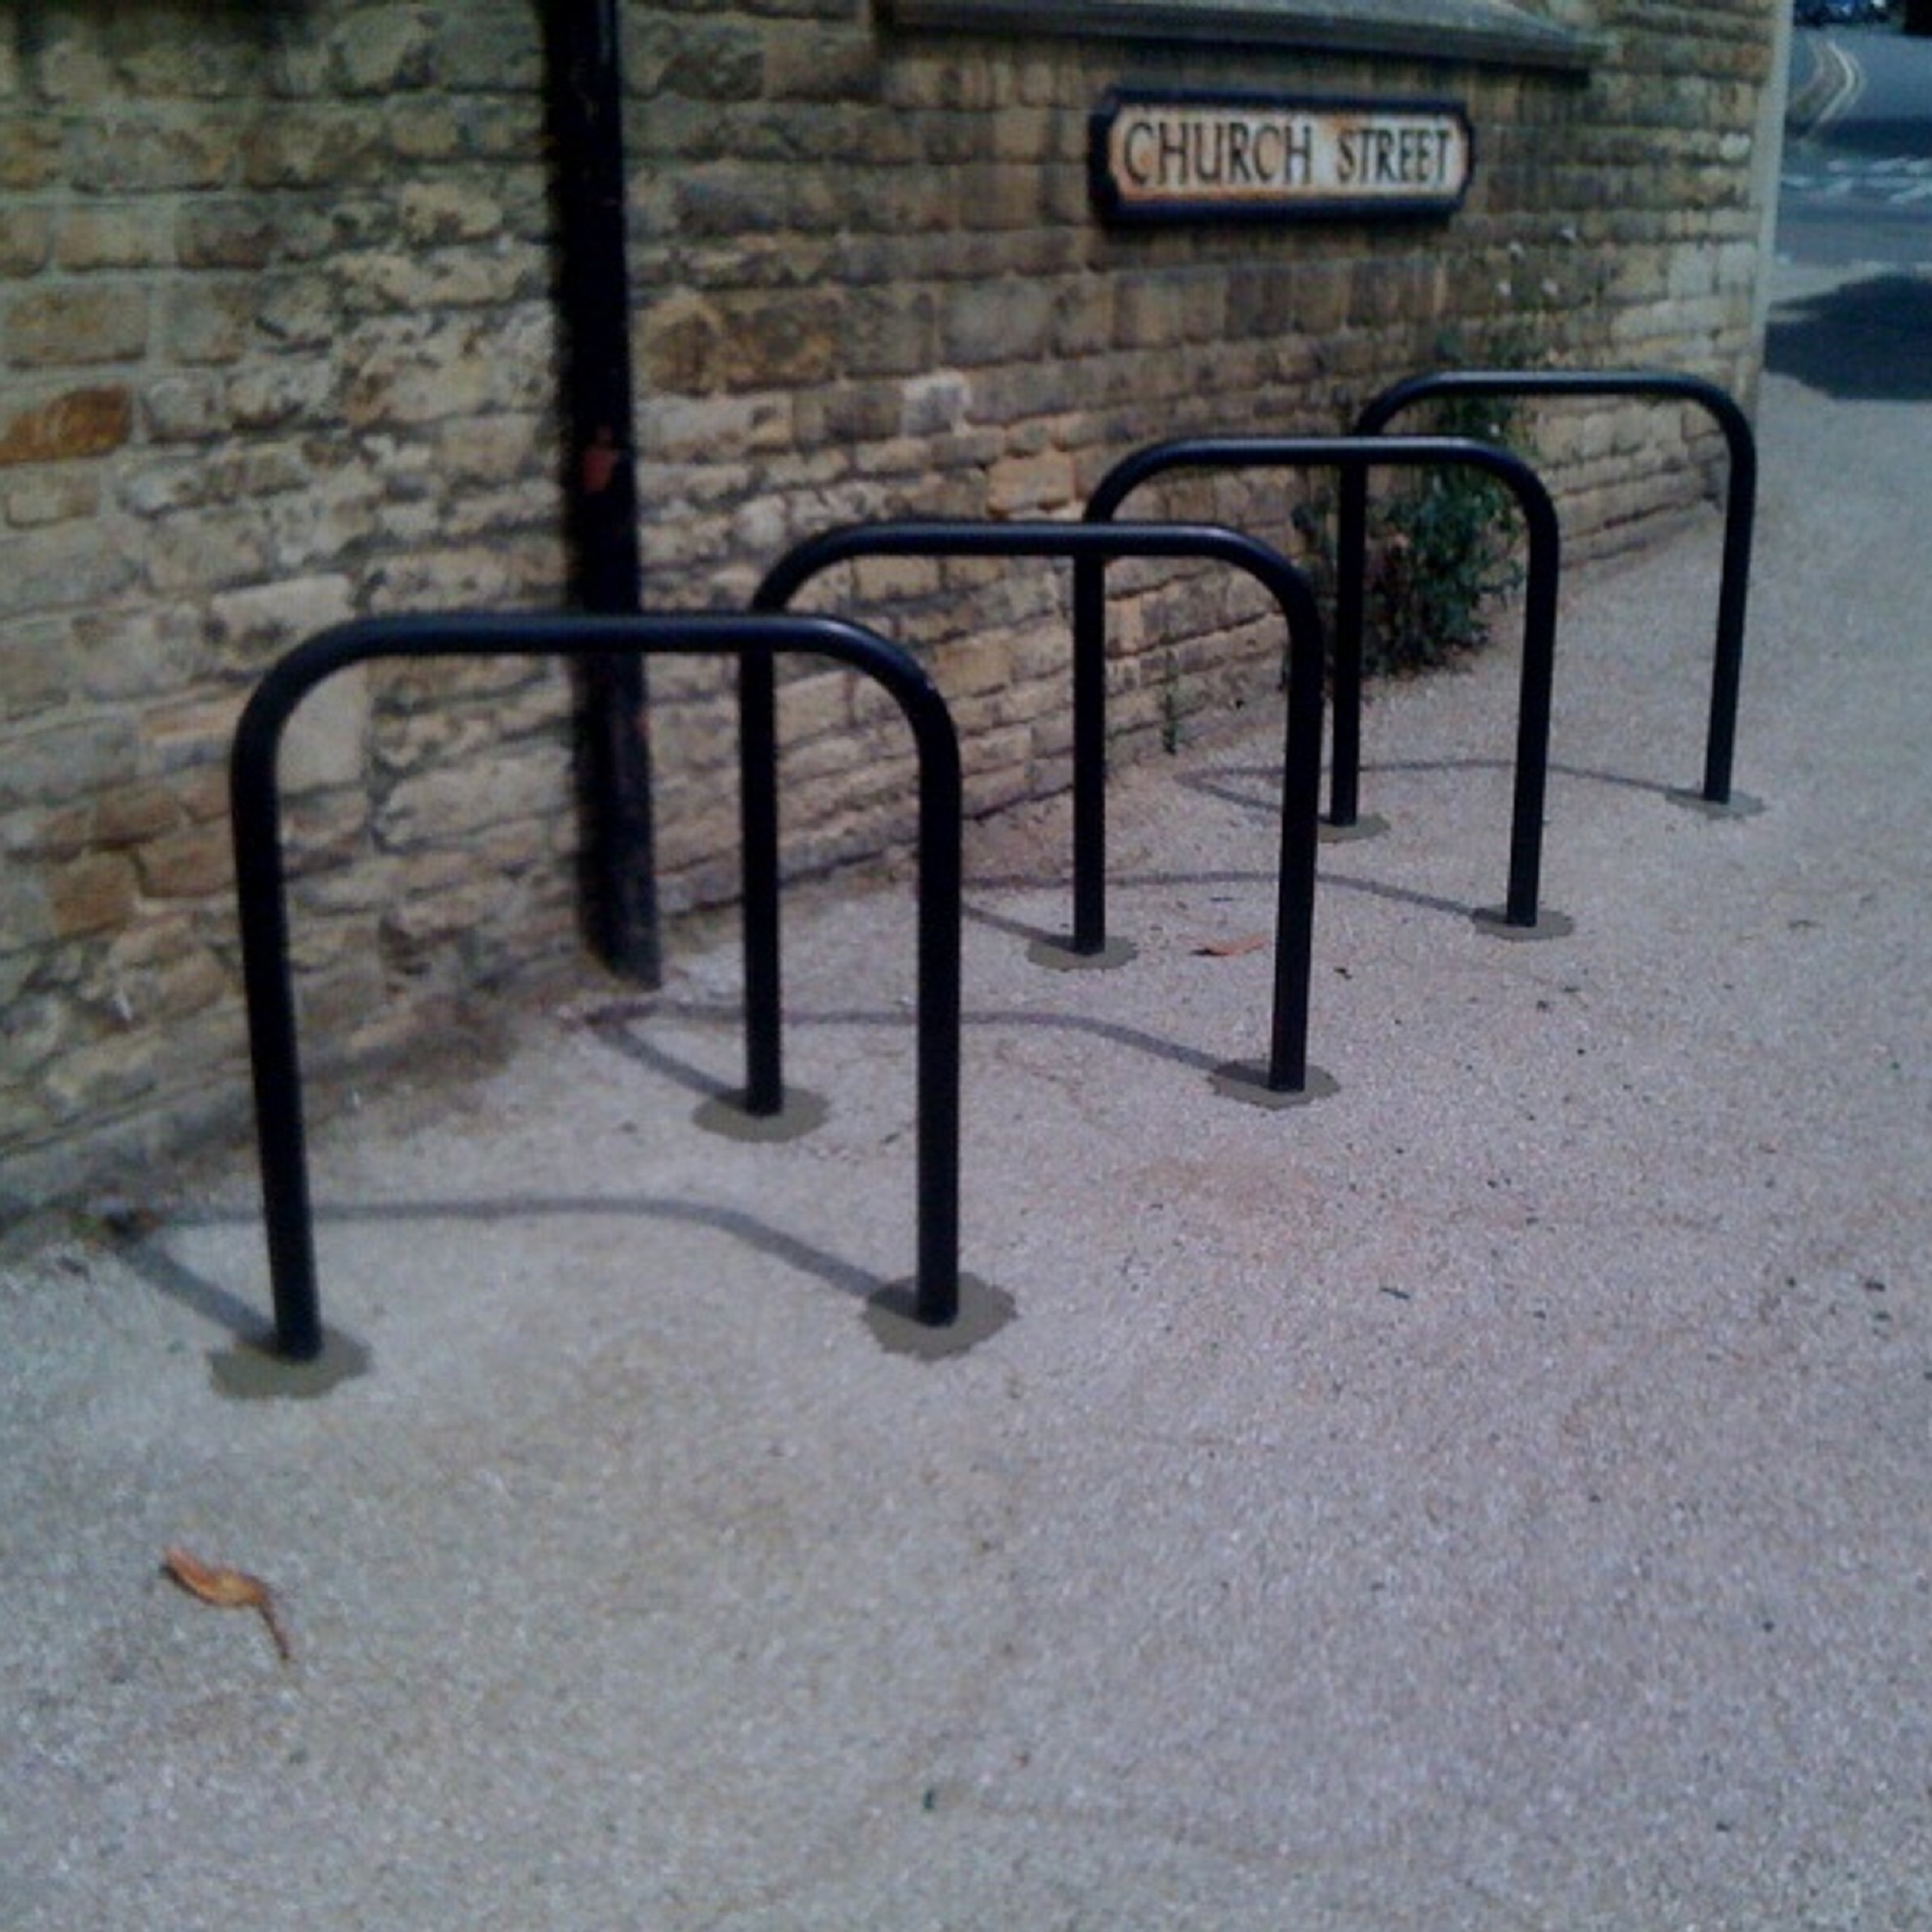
1490,1497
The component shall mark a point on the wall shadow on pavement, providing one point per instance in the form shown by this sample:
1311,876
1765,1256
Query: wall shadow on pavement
1863,341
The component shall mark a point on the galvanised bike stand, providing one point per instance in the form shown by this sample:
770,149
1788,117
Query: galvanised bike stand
1716,799
1286,1078
1353,457
261,893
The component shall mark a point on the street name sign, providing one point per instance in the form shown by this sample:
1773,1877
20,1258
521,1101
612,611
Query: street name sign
1197,157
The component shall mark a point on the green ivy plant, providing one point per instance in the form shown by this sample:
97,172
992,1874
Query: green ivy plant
1446,549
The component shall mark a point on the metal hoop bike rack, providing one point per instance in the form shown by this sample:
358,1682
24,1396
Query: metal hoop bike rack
1092,547
1353,457
1740,518
261,893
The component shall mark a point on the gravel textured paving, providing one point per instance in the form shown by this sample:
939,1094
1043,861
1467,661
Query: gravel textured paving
1490,1497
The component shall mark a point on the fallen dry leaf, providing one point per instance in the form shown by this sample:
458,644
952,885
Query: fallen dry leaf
1231,948
229,1590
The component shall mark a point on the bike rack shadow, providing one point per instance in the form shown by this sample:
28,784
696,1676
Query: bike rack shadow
651,1054
149,1257
1166,881
1353,457
1740,518
1286,1079
1224,783
261,895
222,1308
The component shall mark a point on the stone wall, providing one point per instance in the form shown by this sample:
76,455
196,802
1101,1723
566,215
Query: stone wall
278,348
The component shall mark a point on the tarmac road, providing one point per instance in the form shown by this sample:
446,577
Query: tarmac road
1856,182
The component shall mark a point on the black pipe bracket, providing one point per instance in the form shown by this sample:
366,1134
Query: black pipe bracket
1521,917
1715,798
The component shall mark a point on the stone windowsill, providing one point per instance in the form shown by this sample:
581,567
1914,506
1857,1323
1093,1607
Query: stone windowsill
1489,32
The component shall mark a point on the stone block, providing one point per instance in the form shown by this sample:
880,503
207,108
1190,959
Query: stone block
780,340
416,369
183,408
125,654
205,319
471,576
976,666
122,236
253,625
224,234
1001,320
676,430
495,449
49,500
195,730
30,153
94,893
999,788
75,423
66,568
529,783
158,974
712,62
72,327
436,213
1027,486
814,706
43,830
32,1030
153,60
942,401
432,132
848,413
1147,312
276,394
132,153
1692,275
129,814
808,63
307,148
878,582
298,310
326,739
323,831
203,792
102,1078
679,346
890,332
26,241
191,864
35,667
1085,320
194,552
382,50
1004,198
490,51
1384,290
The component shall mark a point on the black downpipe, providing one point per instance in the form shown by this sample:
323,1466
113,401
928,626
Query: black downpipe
586,101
